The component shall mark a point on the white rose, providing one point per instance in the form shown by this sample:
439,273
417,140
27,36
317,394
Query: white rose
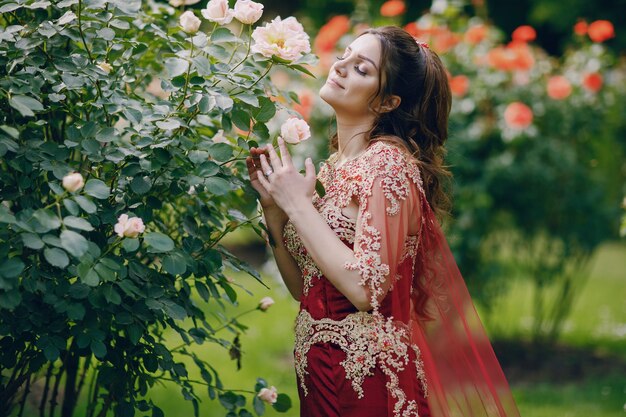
189,22
73,182
220,138
129,227
268,395
265,303
295,130
248,11
178,3
218,11
105,66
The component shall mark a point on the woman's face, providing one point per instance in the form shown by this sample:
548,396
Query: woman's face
353,79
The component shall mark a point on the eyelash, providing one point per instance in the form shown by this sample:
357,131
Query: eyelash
356,67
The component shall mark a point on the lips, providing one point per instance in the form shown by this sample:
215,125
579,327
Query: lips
335,83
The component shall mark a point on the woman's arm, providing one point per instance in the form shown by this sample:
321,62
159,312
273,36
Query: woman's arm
289,270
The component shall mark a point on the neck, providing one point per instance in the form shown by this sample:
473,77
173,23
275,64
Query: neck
351,136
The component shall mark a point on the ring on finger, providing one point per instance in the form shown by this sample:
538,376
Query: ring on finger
268,172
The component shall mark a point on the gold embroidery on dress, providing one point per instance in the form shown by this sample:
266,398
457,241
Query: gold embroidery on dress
368,340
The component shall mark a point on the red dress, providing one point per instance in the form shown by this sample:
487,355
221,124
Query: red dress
379,363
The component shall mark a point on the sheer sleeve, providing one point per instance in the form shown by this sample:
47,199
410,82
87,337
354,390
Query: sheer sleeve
387,201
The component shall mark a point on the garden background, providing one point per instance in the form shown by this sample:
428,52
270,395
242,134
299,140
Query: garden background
132,259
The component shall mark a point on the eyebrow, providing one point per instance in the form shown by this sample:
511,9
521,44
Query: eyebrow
364,58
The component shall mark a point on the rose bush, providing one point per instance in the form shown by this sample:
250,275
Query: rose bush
120,173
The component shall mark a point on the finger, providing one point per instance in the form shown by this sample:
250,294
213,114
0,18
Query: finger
309,170
265,166
264,182
251,167
284,152
274,159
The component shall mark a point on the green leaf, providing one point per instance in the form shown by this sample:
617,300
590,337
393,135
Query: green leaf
266,111
135,331
12,268
74,243
111,295
158,242
107,34
282,404
98,348
96,188
140,185
5,215
174,310
25,105
175,263
302,69
32,241
106,135
217,185
86,204
176,66
130,245
78,223
319,188
47,219
169,124
259,405
10,299
56,257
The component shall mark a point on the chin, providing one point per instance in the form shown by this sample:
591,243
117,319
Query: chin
326,94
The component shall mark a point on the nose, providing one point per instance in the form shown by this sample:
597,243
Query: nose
339,68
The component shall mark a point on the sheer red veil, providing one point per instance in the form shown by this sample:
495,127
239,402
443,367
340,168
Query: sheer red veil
463,374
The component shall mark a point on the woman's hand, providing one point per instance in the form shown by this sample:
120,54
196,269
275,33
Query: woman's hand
254,166
289,189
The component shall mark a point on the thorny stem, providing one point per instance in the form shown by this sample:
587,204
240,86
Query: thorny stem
182,101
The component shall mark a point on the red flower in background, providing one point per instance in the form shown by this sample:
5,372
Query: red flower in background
392,8
518,115
558,87
580,28
459,85
601,30
593,81
330,33
524,33
476,34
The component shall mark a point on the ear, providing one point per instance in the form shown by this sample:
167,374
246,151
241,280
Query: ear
391,103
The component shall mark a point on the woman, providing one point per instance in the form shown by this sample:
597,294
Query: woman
386,326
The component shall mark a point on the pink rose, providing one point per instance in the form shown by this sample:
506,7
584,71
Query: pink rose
189,22
73,182
129,227
295,130
218,11
265,303
247,11
284,38
268,395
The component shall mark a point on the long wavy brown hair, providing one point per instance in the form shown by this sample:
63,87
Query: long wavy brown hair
415,73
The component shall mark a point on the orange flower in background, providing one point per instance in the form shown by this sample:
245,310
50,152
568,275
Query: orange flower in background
518,115
515,56
593,81
306,104
524,33
580,28
412,29
558,87
392,8
443,39
330,33
459,85
601,30
476,34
